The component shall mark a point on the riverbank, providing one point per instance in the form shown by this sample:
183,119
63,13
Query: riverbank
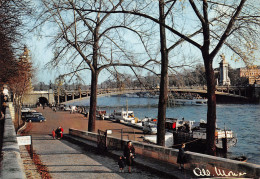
45,146
242,119
64,159
80,122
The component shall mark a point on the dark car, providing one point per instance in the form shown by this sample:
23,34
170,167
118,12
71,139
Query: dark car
36,119
26,115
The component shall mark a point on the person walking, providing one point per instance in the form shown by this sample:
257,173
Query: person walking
181,159
129,153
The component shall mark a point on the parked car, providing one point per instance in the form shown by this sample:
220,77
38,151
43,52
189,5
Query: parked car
36,119
26,115
27,110
61,107
23,110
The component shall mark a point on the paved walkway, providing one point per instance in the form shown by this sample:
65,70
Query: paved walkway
66,160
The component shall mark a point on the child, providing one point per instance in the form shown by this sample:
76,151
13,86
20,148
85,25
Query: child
53,134
181,159
121,164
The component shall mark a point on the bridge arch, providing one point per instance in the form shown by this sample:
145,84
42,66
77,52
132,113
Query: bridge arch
35,97
43,100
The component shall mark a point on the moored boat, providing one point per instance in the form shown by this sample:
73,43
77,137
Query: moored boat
194,135
187,99
193,101
124,116
240,158
149,125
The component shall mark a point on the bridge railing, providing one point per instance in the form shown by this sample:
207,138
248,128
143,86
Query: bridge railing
235,90
172,88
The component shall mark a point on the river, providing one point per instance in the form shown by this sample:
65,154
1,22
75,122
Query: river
243,119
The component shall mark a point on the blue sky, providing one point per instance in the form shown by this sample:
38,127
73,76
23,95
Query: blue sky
41,54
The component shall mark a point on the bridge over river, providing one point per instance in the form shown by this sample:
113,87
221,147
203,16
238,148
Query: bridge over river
225,94
228,93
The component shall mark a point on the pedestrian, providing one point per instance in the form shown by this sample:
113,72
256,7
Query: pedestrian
181,159
62,130
2,116
53,134
58,133
121,164
129,153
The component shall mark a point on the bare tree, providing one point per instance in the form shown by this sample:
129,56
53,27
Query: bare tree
222,23
96,41
11,13
142,8
227,19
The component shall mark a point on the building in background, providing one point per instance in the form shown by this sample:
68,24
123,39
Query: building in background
252,73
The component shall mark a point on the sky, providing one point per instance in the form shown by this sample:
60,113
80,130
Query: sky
42,53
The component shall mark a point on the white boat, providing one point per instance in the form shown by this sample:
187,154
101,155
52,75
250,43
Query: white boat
193,101
150,127
124,116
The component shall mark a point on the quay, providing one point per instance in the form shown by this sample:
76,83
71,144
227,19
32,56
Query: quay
76,155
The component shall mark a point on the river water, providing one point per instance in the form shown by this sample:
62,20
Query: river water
243,119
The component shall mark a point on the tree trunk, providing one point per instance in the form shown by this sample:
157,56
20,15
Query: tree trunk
93,102
94,83
211,115
164,81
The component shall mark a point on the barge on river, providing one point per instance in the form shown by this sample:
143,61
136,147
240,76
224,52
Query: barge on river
194,135
192,101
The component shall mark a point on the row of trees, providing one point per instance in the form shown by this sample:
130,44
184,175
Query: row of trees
187,77
102,35
15,72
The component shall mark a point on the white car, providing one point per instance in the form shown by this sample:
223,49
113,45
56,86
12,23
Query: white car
25,109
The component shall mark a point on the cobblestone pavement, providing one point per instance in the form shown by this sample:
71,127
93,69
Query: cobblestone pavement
66,160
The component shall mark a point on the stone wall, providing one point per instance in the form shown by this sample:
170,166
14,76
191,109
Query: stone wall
200,164
11,164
